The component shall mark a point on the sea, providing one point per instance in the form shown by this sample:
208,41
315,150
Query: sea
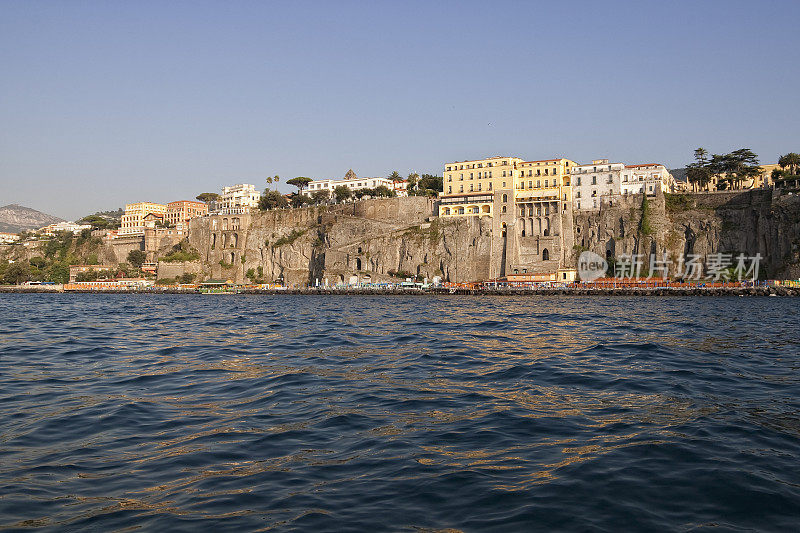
139,412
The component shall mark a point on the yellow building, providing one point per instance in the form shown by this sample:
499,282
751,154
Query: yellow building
472,188
529,204
133,219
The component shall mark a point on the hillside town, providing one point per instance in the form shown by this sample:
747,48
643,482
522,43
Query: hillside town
536,200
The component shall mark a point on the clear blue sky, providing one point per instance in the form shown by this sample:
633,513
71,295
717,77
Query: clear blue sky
103,103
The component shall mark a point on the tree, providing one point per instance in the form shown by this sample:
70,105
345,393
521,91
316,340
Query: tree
342,193
137,258
427,185
208,197
298,200
58,273
412,181
301,182
395,176
17,273
320,196
383,190
271,200
274,179
790,161
740,165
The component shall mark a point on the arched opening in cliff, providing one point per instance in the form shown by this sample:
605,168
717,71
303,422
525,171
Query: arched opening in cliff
358,263
213,240
235,240
233,258
545,255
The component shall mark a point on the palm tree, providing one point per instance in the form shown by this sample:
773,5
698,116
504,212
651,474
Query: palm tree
791,160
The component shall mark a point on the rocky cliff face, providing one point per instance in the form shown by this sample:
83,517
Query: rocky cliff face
375,240
750,222
380,240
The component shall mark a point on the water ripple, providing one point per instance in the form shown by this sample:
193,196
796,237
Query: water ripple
398,413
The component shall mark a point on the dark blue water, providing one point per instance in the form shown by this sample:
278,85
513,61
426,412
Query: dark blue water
223,413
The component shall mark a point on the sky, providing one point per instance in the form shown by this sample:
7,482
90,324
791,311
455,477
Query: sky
114,102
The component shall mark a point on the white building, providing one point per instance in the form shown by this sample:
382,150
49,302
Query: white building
354,183
239,198
8,238
647,179
591,183
52,229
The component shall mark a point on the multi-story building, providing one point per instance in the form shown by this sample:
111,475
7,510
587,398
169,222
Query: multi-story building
526,201
182,211
591,183
133,219
646,179
239,198
71,227
354,183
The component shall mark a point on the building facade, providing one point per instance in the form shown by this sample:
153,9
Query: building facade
529,204
71,227
239,198
134,217
182,211
354,183
8,238
593,182
646,179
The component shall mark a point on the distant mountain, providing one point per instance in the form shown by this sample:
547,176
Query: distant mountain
16,218
679,174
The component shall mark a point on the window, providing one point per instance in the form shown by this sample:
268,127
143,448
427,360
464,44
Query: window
449,178
504,209
470,175
594,193
594,180
504,184
449,189
460,210
479,187
505,198
461,177
545,183
577,194
545,172
471,188
504,173
460,188
490,185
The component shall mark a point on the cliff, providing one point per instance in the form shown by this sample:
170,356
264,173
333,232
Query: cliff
387,239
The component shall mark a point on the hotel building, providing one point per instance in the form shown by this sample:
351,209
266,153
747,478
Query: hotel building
239,198
526,202
133,221
595,181
182,211
646,179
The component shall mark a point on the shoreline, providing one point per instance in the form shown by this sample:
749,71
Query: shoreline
620,291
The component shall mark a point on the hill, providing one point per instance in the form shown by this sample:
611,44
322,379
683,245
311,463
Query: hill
16,218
